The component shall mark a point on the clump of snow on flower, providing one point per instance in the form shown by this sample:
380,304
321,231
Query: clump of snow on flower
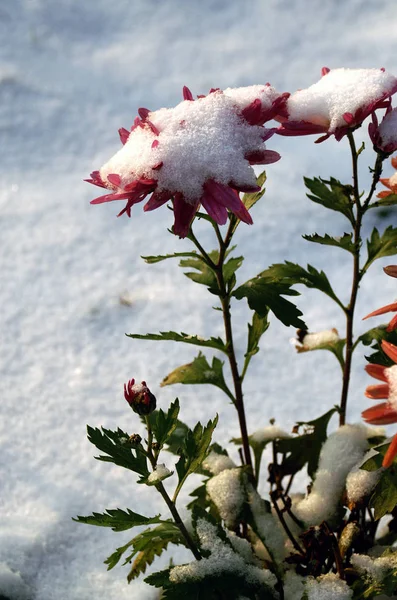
215,463
328,587
340,453
160,472
391,376
267,434
267,526
375,568
360,483
339,93
223,559
315,341
197,141
227,492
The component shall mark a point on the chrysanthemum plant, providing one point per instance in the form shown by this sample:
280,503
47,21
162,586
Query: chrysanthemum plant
325,543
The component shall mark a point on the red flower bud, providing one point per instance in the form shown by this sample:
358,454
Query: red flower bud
139,397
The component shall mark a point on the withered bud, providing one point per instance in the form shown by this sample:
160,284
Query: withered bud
134,439
155,446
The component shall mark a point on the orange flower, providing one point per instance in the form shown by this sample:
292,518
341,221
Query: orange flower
390,182
384,413
391,270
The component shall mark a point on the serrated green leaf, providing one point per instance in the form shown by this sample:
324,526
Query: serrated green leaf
117,519
198,372
196,340
229,269
155,259
390,200
115,558
331,194
166,423
263,294
384,495
259,325
379,246
203,274
250,199
345,242
289,273
194,450
305,448
151,543
113,444
376,335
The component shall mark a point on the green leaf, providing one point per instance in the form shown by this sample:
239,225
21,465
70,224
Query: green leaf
199,371
305,448
345,242
390,200
155,259
250,199
203,274
151,543
259,325
113,444
229,269
213,342
263,294
384,495
331,194
289,273
166,423
117,519
376,335
194,450
379,246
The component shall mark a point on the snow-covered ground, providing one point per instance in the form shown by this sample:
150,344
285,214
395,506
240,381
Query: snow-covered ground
71,73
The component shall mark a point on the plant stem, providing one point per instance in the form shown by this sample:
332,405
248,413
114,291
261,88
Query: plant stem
171,505
349,309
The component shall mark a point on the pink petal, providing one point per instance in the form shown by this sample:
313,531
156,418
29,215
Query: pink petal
114,179
216,211
187,94
183,214
156,200
124,135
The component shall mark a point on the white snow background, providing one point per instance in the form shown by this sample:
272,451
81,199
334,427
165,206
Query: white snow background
71,73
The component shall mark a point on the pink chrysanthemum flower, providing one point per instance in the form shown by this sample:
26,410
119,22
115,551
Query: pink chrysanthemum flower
384,136
338,103
386,412
198,153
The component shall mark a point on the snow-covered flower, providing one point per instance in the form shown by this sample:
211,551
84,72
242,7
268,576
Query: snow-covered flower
338,103
384,136
390,182
197,153
386,412
139,397
306,341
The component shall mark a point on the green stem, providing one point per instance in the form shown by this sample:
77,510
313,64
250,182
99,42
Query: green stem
171,505
349,309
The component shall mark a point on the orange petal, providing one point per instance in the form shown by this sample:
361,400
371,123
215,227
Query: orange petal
392,325
391,270
377,392
394,162
383,194
381,311
390,350
376,371
391,453
382,414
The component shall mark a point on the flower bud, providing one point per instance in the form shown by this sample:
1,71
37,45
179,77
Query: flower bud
134,439
139,397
